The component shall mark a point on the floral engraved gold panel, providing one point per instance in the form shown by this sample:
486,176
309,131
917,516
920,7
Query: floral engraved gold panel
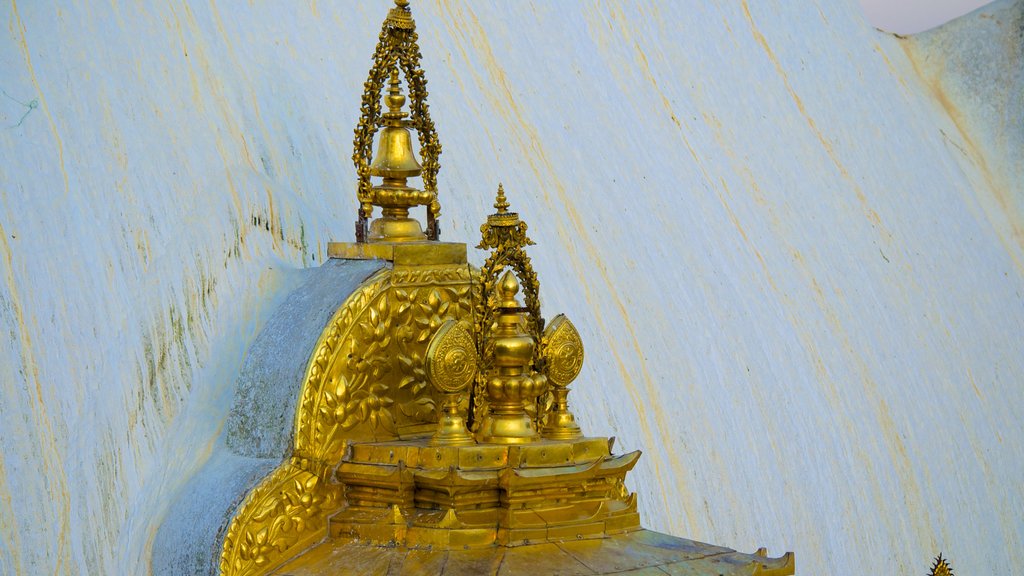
320,412
283,515
366,380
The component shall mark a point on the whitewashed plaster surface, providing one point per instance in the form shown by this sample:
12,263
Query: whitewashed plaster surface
797,265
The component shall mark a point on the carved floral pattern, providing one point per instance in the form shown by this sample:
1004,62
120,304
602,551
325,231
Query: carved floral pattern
282,515
324,402
366,380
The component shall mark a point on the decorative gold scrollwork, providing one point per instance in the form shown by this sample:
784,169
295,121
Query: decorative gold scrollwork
283,515
442,275
331,403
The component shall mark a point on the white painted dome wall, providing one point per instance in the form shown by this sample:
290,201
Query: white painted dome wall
799,277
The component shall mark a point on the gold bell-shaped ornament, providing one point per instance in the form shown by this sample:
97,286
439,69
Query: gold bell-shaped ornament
395,162
395,158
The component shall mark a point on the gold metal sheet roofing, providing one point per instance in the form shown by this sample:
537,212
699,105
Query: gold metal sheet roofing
641,552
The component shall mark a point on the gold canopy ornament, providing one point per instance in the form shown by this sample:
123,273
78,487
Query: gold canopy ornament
397,50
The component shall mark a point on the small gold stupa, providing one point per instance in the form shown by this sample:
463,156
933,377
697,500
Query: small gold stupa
434,434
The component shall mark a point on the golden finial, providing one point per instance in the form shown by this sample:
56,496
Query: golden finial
503,228
508,287
941,568
395,98
395,160
505,235
501,203
510,380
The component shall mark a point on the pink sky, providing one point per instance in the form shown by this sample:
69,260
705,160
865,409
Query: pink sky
912,16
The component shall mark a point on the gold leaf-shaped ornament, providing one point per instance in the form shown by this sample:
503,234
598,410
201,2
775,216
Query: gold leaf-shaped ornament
451,366
563,349
563,354
451,360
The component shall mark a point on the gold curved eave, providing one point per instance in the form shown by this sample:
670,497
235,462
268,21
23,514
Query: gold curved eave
365,381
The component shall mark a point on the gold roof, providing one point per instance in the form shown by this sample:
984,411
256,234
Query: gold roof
639,553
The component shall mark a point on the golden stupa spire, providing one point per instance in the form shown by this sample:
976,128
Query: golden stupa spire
395,161
501,203
510,382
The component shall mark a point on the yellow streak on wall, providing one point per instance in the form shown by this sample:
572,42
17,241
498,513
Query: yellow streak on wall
39,91
50,450
871,215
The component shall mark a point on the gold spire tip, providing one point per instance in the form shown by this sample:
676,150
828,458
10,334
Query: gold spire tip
508,287
395,98
502,218
501,203
503,228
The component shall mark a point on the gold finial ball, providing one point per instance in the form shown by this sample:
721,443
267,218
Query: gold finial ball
508,287
402,3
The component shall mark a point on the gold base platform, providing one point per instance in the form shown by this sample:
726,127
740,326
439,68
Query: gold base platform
410,493
424,253
640,553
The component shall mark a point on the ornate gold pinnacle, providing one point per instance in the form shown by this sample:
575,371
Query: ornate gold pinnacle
501,203
503,229
395,162
941,567
505,235
510,382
